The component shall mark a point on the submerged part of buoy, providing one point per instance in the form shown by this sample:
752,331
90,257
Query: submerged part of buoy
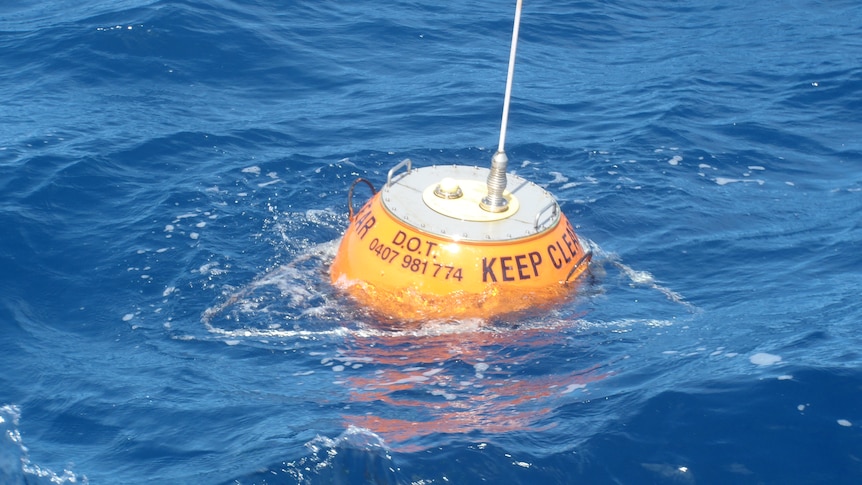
423,247
438,242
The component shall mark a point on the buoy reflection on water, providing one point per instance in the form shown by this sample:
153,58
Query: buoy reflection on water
457,383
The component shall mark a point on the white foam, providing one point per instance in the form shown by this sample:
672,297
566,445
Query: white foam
558,178
725,181
844,422
205,268
353,437
271,182
480,369
253,169
446,395
573,387
675,160
28,472
764,359
646,279
406,380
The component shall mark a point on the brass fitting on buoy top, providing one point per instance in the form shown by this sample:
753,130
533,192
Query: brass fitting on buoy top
448,188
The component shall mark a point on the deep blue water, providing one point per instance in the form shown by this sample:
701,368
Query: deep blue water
173,182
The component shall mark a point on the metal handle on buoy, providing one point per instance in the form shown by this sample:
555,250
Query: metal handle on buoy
350,211
494,201
394,169
553,205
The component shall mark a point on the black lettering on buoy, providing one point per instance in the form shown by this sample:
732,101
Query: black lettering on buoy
506,268
570,245
399,238
430,245
488,270
364,224
535,260
566,257
521,265
413,244
555,260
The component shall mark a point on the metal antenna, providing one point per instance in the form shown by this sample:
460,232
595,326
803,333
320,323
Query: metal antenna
494,201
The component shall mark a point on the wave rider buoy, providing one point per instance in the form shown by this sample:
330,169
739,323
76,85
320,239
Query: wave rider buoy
459,242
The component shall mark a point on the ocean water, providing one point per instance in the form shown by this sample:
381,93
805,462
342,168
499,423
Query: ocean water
173,183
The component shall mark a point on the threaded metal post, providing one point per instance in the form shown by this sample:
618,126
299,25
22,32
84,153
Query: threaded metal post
494,201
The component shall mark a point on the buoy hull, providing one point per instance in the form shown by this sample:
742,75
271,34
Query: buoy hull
403,272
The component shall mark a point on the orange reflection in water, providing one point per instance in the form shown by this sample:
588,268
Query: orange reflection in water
458,383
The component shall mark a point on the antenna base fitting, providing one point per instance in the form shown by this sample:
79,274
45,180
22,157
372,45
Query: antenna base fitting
494,201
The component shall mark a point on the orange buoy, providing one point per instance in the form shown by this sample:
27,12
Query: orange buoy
424,248
452,242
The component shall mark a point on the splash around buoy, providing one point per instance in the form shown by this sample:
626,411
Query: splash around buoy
423,248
